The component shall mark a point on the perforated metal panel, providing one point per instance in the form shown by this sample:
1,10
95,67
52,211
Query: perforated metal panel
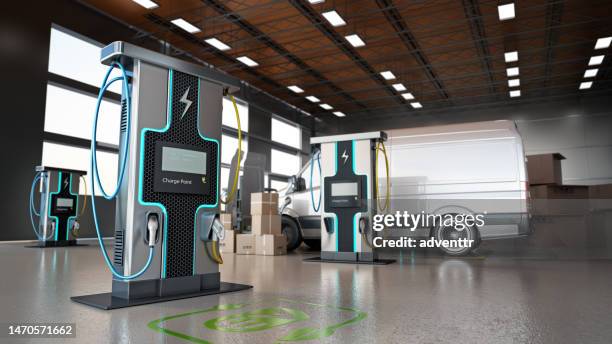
181,208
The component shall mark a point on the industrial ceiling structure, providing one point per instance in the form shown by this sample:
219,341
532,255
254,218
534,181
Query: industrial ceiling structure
360,58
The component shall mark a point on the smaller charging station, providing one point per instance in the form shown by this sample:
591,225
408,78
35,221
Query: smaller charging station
349,195
58,211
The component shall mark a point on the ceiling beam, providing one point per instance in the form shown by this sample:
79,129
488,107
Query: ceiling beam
269,42
317,20
554,12
403,32
472,13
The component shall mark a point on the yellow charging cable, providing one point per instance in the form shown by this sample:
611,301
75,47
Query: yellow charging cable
215,252
232,193
85,197
380,146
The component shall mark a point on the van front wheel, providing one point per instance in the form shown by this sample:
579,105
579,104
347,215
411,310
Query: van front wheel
452,233
291,231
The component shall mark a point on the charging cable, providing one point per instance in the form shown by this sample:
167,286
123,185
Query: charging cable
95,177
380,147
312,160
232,193
34,212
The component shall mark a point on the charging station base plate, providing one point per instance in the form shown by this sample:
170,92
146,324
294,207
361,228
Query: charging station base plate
364,262
106,301
58,243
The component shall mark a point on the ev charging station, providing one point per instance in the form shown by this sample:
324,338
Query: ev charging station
167,198
349,196
58,212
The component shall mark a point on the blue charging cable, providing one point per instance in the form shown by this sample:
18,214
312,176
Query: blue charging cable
95,177
318,206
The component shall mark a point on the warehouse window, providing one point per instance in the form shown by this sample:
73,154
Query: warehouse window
229,114
229,147
78,58
76,120
287,134
284,163
76,158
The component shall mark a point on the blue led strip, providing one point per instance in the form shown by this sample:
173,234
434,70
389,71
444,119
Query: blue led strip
140,177
59,185
355,216
195,216
335,173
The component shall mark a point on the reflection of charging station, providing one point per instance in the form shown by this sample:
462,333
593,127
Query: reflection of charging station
167,216
58,213
349,196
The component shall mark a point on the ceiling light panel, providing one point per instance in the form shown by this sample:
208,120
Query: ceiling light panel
333,18
355,40
247,61
506,12
146,4
515,93
314,2
339,114
591,73
585,85
399,87
511,56
185,25
388,75
313,99
596,60
217,44
603,43
408,96
326,106
416,105
295,89
514,71
514,82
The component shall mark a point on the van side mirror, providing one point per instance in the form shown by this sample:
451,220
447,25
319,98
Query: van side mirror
300,184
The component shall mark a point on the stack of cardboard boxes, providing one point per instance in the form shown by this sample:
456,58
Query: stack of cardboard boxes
228,244
265,238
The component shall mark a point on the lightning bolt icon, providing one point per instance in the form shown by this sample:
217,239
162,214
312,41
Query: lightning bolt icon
65,183
345,156
185,101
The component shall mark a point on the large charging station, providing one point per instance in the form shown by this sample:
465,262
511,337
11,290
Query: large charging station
58,212
167,212
349,197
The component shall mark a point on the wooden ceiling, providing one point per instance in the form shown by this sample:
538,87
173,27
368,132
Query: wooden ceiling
447,53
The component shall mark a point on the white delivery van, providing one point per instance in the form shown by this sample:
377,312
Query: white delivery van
473,168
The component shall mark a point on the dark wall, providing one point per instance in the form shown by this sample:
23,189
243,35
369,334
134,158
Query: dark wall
24,47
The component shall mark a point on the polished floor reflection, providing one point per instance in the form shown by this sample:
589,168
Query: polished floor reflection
422,299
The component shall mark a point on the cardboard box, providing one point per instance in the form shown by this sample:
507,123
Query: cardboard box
245,244
271,245
603,191
226,221
559,192
264,203
266,224
544,169
228,244
560,199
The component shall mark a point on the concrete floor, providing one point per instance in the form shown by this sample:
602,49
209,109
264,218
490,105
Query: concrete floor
422,299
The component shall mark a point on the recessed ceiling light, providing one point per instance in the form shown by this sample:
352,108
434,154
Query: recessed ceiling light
590,73
585,85
514,82
217,44
339,114
399,87
416,105
596,60
314,2
506,11
326,106
146,4
514,71
313,99
247,61
295,89
511,56
333,18
185,25
603,43
388,75
515,93
408,96
355,40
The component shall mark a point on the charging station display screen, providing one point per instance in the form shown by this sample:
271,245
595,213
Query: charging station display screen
183,161
64,203
344,189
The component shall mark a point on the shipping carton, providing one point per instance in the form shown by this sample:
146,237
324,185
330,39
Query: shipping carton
560,199
544,169
271,245
245,244
264,203
226,221
228,244
266,224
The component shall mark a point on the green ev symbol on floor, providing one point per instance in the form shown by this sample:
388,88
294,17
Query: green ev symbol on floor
285,321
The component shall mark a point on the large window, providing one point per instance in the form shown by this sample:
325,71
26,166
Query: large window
229,114
229,147
284,163
287,134
70,105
